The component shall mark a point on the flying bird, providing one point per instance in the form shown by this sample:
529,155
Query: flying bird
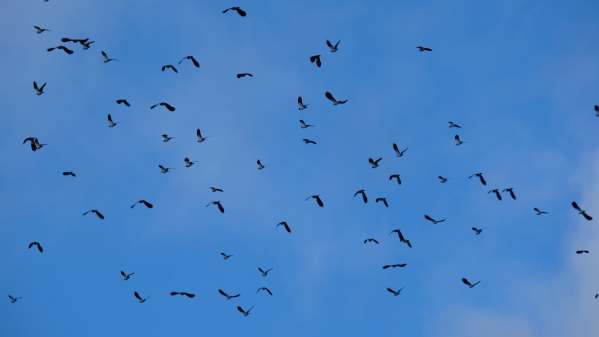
429,218
581,211
539,212
333,47
458,141
143,202
106,58
316,59
226,256
496,192
39,90
260,165
199,136
382,200
442,179
69,174
126,276
188,162
169,66
402,238
111,123
40,30
237,9
61,47
316,198
14,299
241,75
166,138
183,293
244,312
374,163
584,251
222,292
263,272
395,292
123,101
37,245
164,104
308,141
80,41
362,192
96,212
139,298
510,190
332,98
424,49
480,177
397,265
87,44
265,289
396,177
34,142
477,231
371,240
469,284
300,104
218,204
454,125
216,189
192,59
285,225
164,169
399,152
303,124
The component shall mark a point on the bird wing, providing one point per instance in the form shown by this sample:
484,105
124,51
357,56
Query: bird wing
576,207
330,97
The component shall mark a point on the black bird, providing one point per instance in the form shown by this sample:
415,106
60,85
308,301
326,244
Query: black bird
260,165
402,238
332,98
183,293
300,104
87,44
39,90
241,75
216,189
316,198
63,48
316,59
398,152
188,162
396,177
285,225
126,276
106,58
308,141
13,299
477,231
237,9
123,101
374,163
362,192
264,289
458,141
596,295
263,272
469,284
497,194
596,107
40,30
480,177
139,298
166,138
584,251
442,179
34,142
38,245
397,265
539,212
395,292
429,218
424,49
510,190
303,124
371,240
192,59
69,174
333,47
80,41
164,104
96,212
454,125
222,292
199,136
581,211
383,200
169,66
226,256
164,169
244,312
111,123
143,202
218,205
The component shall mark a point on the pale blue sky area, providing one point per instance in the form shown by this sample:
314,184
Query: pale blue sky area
520,77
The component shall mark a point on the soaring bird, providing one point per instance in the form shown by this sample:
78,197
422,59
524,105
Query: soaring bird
14,299
260,165
80,41
139,298
584,251
381,200
477,231
442,179
183,293
333,47
192,59
218,204
242,75
480,177
237,9
285,225
496,192
40,30
539,212
123,102
188,162
469,284
199,136
111,123
169,66
61,47
395,292
300,104
106,58
226,256
216,189
126,276
316,59
371,240
454,125
244,312
222,292
96,212
265,289
164,169
396,177
166,138
397,265
69,174
424,49
429,218
34,142
37,245
510,190
318,200
263,272
362,192
399,152
402,238
304,125
143,202
332,98
581,211
308,141
39,90
457,140
164,104
374,163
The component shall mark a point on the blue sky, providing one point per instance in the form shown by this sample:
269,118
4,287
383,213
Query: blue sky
521,77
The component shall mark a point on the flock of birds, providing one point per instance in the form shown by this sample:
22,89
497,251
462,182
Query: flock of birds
374,163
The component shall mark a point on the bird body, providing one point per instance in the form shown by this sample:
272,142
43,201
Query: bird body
316,60
395,292
39,90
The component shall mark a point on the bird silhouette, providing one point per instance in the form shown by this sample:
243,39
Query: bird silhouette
374,163
244,312
362,193
242,75
169,67
382,200
300,104
318,200
395,292
39,90
96,212
539,211
316,60
308,141
285,225
14,299
510,190
477,231
40,30
399,152
139,298
126,276
457,140
34,142
216,189
304,125
429,218
123,102
263,272
333,47
402,238
61,47
496,192
199,136
166,138
37,245
236,9
265,289
164,104
469,284
454,125
583,251
480,177
222,292
442,179
332,98
69,174
143,202
581,211
226,256
260,165
371,240
111,123
192,59
164,169
397,265
218,205
188,162
183,293
106,58
424,49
